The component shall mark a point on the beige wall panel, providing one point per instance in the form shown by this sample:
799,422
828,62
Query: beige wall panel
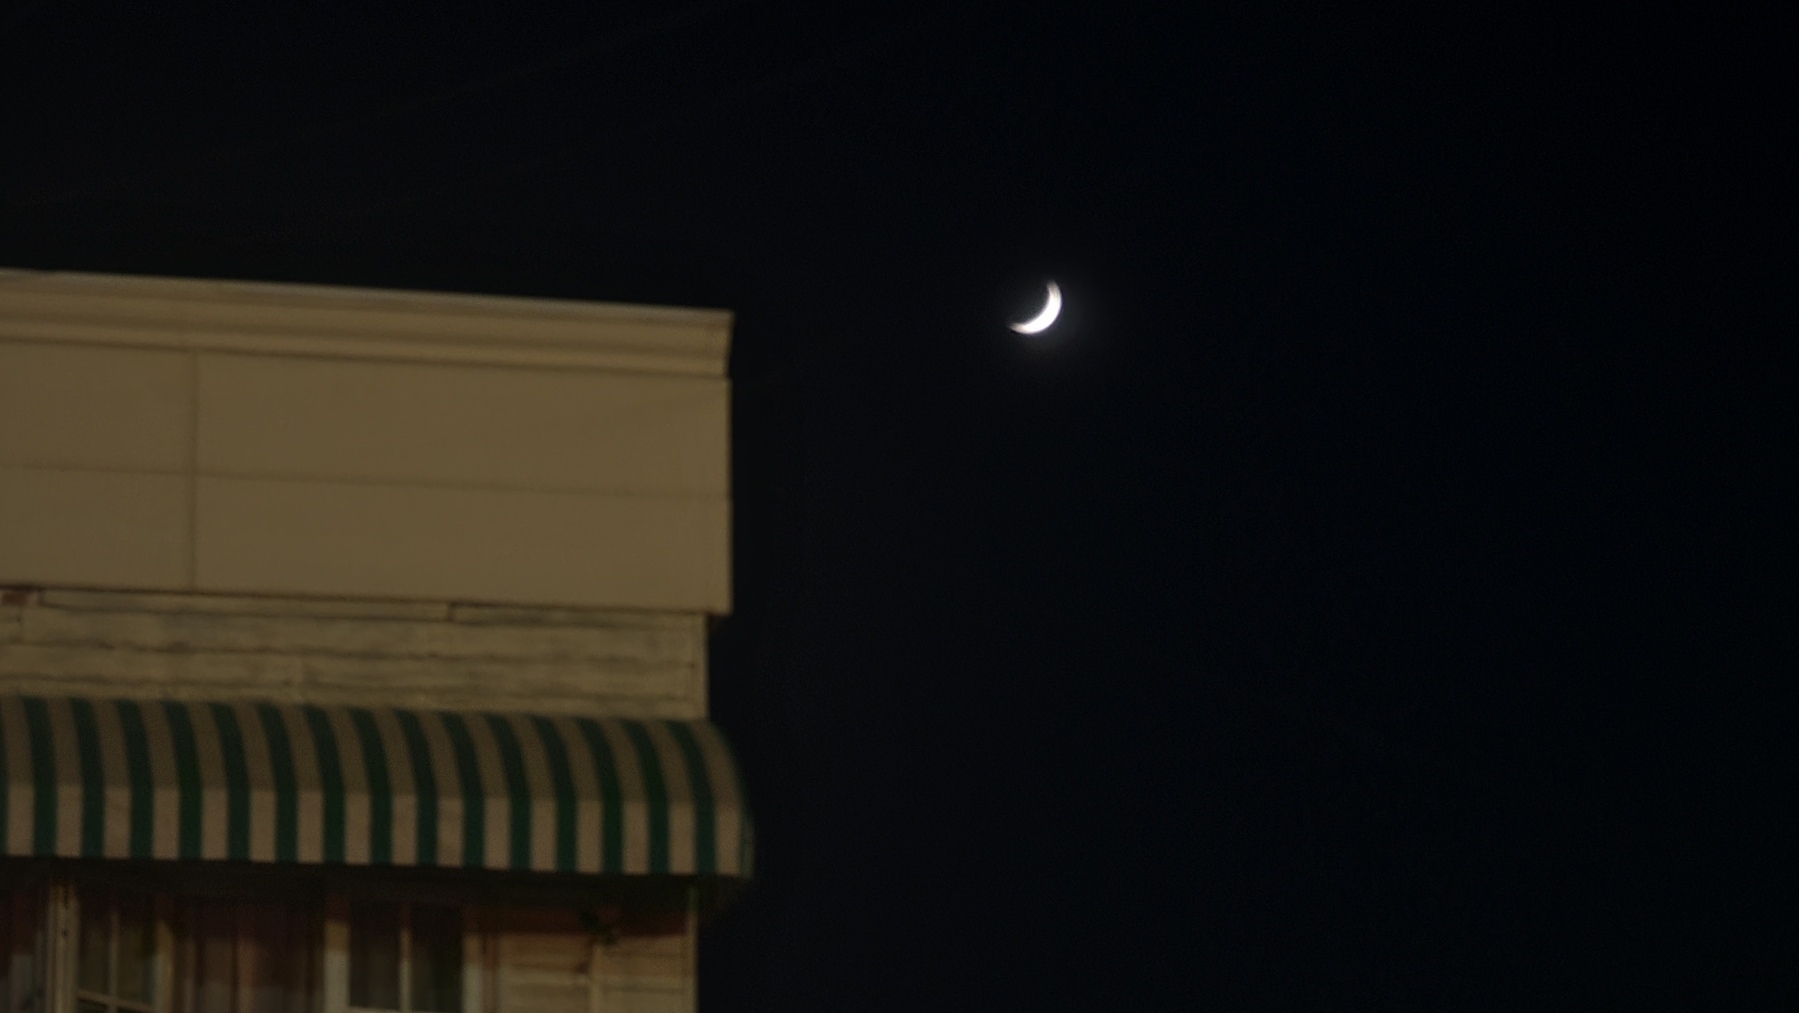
462,425
93,528
282,537
92,407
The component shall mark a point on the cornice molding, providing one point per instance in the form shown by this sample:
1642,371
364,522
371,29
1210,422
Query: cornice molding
336,322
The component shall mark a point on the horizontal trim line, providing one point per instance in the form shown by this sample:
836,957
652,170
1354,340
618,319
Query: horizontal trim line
379,348
722,495
245,293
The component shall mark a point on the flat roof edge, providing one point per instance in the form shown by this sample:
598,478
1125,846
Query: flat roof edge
339,321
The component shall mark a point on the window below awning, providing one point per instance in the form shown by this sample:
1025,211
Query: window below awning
350,786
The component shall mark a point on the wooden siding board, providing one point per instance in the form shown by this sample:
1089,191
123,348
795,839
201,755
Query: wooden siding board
165,631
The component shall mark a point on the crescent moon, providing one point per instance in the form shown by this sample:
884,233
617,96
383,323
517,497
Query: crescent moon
1052,308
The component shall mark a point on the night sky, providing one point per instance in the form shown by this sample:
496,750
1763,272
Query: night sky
1367,597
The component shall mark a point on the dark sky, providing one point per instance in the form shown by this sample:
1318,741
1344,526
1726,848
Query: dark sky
1367,599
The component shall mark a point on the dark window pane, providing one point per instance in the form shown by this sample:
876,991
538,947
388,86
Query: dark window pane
6,943
137,948
211,964
436,959
246,957
96,938
275,942
25,940
375,955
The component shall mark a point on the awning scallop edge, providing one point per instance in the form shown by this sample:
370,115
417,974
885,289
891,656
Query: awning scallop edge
276,783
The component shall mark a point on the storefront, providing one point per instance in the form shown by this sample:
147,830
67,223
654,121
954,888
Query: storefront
352,650
176,856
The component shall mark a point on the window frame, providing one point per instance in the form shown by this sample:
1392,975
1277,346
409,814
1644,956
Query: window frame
336,952
406,906
162,954
45,927
52,972
24,986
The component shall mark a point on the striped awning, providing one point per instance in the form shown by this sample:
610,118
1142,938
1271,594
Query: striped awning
259,782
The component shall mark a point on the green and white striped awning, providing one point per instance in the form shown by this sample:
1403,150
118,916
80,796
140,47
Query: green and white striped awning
257,782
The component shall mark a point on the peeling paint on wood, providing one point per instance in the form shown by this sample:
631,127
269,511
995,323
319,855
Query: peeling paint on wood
403,654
